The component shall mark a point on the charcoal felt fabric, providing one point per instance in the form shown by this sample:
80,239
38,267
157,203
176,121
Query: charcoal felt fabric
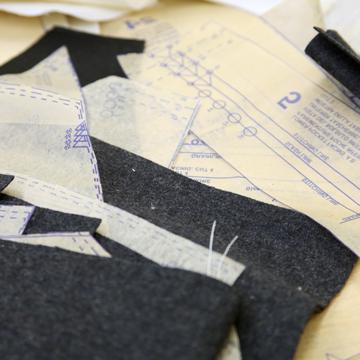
333,54
72,306
120,251
285,243
93,56
45,221
271,315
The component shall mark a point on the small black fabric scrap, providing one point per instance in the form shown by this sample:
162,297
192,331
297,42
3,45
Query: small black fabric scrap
272,316
72,306
45,221
5,180
284,243
120,251
94,57
333,54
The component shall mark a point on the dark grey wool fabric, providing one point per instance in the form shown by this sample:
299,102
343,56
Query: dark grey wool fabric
271,315
60,305
333,54
296,266
284,243
70,306
302,266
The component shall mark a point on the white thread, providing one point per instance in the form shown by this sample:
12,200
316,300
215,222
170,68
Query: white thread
226,253
208,271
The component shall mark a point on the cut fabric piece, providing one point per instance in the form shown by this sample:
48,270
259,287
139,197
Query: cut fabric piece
14,218
283,242
146,121
43,221
80,242
44,194
162,246
80,306
231,349
333,54
335,330
120,251
272,316
93,56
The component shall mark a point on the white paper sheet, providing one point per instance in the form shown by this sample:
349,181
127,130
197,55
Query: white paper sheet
343,16
55,19
85,10
257,7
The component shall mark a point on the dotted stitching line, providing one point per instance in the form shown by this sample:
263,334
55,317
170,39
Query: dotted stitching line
38,95
93,205
44,96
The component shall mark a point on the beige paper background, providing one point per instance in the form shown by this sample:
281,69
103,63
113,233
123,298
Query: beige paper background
17,33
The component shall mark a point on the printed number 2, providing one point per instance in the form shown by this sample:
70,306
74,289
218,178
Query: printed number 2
292,98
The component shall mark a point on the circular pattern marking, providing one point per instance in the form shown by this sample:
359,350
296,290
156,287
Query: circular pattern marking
234,118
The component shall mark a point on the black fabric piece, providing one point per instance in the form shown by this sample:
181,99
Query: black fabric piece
71,306
282,242
272,316
93,56
333,54
301,264
44,221
5,180
120,251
